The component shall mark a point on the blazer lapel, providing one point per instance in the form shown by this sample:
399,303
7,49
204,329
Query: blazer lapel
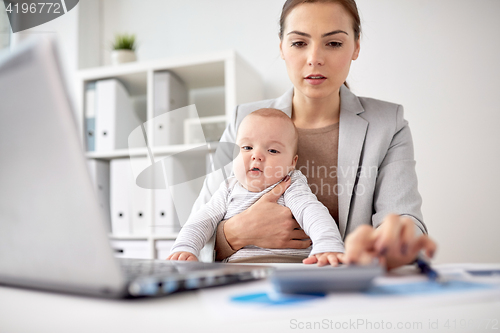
352,132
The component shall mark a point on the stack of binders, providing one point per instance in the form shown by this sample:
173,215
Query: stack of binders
130,212
170,94
110,119
109,116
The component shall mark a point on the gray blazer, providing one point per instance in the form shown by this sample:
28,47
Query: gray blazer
376,168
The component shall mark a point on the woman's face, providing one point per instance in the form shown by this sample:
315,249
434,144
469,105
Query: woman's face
318,46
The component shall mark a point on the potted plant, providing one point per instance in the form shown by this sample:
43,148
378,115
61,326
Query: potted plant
123,49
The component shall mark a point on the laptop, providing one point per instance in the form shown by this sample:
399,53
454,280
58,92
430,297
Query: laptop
52,230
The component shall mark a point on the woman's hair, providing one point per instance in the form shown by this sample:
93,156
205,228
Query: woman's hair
349,6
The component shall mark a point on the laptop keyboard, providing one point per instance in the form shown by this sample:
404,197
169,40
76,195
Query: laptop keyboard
155,277
134,268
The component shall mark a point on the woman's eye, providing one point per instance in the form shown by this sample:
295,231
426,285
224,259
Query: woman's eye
273,151
246,148
335,44
298,44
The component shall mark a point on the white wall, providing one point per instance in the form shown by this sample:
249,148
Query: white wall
172,27
89,33
440,60
436,57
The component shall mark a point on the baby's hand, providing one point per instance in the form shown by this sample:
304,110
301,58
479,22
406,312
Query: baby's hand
334,258
183,256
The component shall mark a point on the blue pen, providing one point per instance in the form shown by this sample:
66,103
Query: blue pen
423,263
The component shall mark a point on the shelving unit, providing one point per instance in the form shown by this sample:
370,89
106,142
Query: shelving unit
225,75
143,152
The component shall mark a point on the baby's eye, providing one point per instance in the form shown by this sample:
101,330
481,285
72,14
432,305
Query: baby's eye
335,44
273,151
298,44
246,148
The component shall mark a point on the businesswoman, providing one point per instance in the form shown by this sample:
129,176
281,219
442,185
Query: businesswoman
356,152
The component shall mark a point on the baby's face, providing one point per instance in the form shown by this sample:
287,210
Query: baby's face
266,152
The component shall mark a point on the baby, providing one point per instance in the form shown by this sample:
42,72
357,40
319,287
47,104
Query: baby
267,139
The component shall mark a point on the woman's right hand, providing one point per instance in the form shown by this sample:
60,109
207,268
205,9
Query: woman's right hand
266,224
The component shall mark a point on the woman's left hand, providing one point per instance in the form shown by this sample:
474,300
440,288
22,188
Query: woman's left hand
393,242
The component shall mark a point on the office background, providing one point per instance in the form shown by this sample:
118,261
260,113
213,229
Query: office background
438,58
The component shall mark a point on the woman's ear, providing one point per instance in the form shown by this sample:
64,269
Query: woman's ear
355,55
281,50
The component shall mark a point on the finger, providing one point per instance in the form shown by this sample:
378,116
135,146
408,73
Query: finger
298,244
424,243
332,259
359,244
277,191
322,260
184,256
310,260
192,257
173,256
388,236
341,258
407,234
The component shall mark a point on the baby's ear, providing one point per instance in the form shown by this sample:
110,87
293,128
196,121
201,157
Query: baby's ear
294,161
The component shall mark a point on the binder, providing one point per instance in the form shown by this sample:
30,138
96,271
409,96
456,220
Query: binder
164,213
90,106
115,117
170,94
184,190
120,178
130,203
99,172
165,217
139,203
136,249
204,129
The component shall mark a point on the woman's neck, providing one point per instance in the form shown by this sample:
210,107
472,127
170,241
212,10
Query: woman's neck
315,112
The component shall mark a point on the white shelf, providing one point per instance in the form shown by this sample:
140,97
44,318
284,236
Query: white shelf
198,71
193,149
170,236
188,148
128,237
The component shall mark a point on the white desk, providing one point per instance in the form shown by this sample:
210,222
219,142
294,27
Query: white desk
37,311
